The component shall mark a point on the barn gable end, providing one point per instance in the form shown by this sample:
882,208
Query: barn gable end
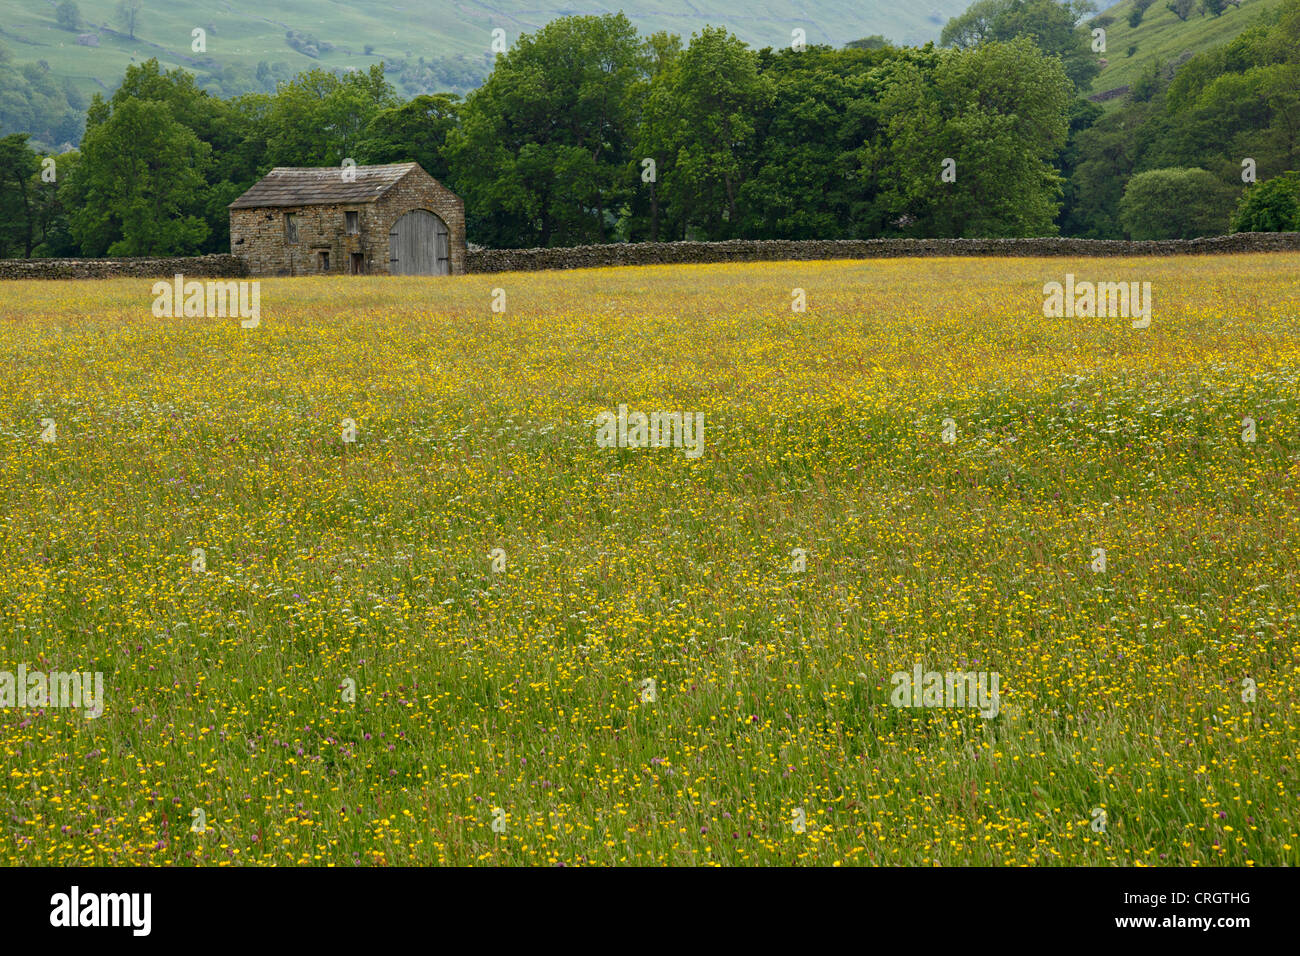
418,190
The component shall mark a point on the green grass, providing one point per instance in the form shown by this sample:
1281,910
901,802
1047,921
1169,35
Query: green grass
1162,37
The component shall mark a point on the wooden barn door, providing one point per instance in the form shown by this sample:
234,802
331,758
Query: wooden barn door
418,245
441,248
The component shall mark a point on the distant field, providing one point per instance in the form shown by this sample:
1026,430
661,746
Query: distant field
826,538
241,33
1162,37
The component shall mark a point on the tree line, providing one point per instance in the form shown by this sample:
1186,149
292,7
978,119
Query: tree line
587,132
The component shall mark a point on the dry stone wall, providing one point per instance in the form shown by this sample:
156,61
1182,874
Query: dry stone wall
743,250
192,267
659,253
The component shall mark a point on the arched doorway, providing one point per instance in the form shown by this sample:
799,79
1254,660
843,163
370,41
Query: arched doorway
418,245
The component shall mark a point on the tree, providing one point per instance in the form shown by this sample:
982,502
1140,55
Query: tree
655,121
54,233
1107,153
974,26
68,15
416,131
999,111
661,51
236,140
1182,9
128,15
320,118
1239,100
1173,204
809,181
873,42
1137,10
543,152
1053,26
19,165
139,186
33,220
1270,206
1084,115
702,117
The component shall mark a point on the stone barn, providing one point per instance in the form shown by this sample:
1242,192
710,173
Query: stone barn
377,220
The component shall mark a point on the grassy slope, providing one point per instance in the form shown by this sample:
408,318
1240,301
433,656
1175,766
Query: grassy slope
1162,36
247,31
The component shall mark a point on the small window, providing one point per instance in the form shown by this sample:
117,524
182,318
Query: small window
324,262
290,227
353,226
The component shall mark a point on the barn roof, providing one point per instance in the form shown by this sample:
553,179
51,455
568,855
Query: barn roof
317,186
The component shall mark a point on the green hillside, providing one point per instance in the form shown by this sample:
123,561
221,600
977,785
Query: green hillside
48,72
429,46
1162,37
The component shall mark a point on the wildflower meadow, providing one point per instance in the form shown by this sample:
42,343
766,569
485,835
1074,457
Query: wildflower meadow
657,566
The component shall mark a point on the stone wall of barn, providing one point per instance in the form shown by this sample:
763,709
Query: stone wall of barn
259,235
260,238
